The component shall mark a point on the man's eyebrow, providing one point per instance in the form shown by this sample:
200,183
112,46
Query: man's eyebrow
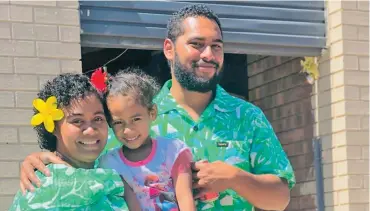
202,39
197,38
218,40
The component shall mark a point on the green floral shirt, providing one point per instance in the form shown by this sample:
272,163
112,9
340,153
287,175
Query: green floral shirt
74,189
230,130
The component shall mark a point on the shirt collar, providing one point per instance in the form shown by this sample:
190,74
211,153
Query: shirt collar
165,101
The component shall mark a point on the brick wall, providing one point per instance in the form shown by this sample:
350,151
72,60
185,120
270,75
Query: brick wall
277,87
335,108
38,40
341,106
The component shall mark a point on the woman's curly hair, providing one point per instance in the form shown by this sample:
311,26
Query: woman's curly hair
66,88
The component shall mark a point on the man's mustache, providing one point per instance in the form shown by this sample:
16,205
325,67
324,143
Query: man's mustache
202,62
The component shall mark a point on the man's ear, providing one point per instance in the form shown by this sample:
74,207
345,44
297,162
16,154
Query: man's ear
153,112
169,49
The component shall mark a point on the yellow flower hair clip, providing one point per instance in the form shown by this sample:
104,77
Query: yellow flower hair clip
48,113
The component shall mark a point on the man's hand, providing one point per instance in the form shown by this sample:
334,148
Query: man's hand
36,160
218,176
212,177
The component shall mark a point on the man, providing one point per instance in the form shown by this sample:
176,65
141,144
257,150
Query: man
246,165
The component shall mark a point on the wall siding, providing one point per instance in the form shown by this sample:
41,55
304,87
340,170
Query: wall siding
38,41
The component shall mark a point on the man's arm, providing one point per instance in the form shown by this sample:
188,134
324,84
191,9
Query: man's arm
267,192
271,176
268,185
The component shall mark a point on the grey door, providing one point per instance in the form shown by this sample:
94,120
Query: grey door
251,27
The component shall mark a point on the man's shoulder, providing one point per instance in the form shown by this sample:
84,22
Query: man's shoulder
241,106
163,92
170,142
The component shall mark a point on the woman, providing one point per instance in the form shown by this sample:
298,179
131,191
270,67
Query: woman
70,120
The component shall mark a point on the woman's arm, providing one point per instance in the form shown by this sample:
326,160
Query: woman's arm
182,180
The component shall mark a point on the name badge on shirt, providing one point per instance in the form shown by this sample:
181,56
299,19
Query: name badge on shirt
222,144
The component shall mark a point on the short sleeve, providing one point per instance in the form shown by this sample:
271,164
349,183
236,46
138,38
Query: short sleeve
72,188
182,163
105,161
266,153
173,149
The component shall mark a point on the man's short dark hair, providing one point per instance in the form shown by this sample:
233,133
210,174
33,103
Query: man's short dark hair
174,25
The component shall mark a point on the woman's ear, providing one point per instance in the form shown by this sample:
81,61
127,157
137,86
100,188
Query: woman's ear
56,131
58,124
153,112
169,49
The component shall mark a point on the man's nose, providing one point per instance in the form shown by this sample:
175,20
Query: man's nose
207,54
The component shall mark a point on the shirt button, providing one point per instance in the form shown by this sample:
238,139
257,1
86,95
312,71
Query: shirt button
195,128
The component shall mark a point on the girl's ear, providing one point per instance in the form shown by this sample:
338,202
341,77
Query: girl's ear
153,112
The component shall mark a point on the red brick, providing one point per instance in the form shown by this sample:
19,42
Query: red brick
292,122
305,175
289,109
293,204
299,134
307,202
299,148
295,191
266,70
267,63
302,161
298,162
297,93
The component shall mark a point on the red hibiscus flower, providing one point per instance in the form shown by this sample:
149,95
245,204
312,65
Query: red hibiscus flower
98,79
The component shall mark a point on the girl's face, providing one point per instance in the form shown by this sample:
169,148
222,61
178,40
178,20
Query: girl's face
130,120
83,131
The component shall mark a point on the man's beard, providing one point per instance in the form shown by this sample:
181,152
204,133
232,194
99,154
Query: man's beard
190,81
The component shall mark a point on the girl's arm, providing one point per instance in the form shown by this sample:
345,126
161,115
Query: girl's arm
130,197
182,180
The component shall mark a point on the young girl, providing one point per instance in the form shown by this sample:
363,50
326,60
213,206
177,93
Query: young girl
156,171
70,120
